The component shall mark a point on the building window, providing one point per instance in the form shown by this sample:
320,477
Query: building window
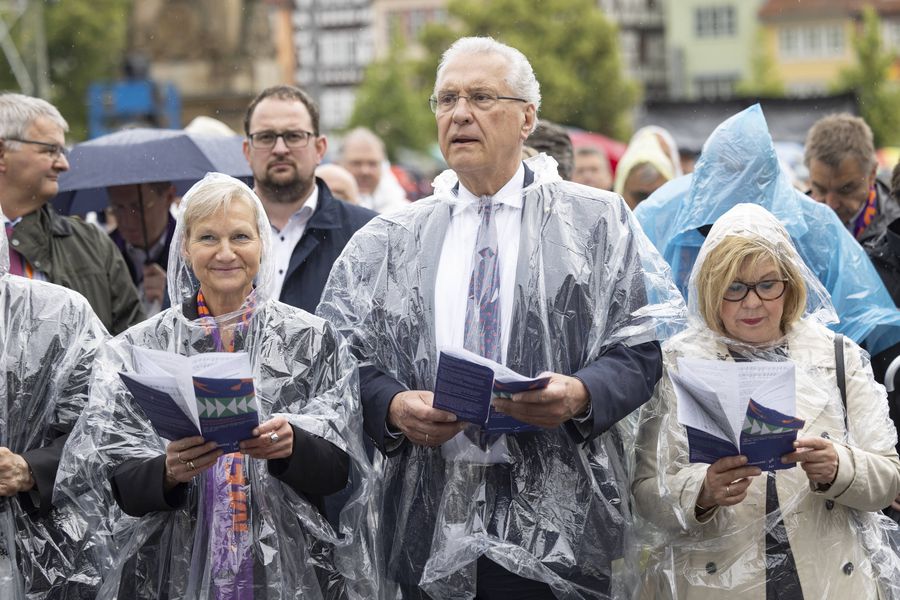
714,21
410,23
891,34
715,86
811,41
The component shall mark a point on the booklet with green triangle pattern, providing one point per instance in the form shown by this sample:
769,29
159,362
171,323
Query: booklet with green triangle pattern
731,408
209,394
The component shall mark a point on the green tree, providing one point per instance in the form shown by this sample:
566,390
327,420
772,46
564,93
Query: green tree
764,79
85,42
573,48
570,44
390,102
868,78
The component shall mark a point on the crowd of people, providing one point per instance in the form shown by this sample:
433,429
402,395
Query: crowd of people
612,288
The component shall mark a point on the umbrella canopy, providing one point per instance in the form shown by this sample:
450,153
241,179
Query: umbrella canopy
138,156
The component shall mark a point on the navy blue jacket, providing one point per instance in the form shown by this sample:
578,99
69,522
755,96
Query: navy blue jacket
328,231
162,260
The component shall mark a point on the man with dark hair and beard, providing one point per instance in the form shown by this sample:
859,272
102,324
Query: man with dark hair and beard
310,226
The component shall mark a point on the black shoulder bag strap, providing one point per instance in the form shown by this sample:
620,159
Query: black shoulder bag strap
841,374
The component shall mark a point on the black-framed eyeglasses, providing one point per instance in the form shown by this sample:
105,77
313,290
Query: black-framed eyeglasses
769,289
446,101
52,150
265,140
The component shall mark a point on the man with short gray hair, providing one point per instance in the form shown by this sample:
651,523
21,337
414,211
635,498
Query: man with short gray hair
840,156
43,244
543,276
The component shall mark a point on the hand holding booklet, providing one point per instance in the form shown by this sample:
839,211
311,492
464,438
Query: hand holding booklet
210,395
732,408
466,383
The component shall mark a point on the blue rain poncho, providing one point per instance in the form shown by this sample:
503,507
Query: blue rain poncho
804,540
557,512
739,164
48,339
303,372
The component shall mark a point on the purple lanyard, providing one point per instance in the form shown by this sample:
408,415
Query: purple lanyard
227,508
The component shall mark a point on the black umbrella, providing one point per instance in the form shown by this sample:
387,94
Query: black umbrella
137,156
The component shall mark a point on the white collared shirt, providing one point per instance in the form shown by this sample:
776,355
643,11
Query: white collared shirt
286,240
455,266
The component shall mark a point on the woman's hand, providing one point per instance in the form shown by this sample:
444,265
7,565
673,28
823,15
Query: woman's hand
273,439
726,482
817,457
188,457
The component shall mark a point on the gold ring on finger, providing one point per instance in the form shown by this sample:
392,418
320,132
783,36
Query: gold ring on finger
426,438
727,491
191,466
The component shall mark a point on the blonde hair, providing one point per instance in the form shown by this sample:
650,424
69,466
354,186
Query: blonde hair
730,256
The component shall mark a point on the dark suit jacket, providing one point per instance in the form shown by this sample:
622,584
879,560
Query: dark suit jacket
43,463
328,231
162,260
618,382
314,469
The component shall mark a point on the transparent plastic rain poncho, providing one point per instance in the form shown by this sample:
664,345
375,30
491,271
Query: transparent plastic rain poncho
839,542
303,372
48,338
585,273
739,164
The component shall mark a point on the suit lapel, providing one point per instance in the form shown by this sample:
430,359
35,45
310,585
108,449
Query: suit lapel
326,217
429,245
534,215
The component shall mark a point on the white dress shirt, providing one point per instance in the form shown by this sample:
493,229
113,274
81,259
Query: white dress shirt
454,271
286,240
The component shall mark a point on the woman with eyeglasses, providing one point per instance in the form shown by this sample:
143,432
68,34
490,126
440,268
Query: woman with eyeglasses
729,529
177,518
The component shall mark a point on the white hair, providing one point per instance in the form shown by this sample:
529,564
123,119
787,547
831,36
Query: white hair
520,76
215,194
18,112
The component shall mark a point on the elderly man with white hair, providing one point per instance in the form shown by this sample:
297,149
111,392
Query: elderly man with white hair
547,277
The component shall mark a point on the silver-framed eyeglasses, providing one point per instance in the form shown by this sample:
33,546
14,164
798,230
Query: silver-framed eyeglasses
266,140
54,151
446,101
768,289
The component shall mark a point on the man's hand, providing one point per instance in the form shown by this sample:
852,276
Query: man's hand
564,398
15,475
412,413
817,457
154,283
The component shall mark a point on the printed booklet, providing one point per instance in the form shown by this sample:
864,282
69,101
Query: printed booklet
731,408
466,383
209,394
